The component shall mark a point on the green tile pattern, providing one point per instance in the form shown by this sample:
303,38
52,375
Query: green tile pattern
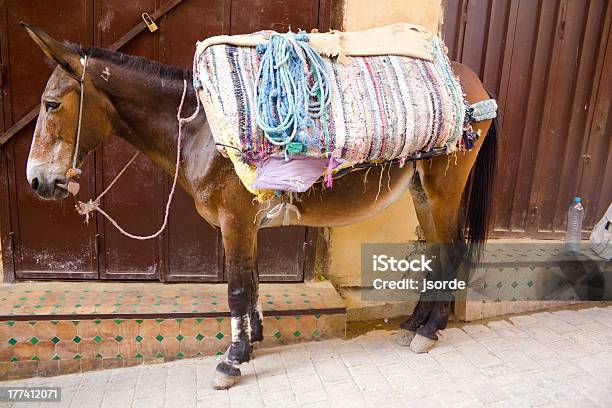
87,344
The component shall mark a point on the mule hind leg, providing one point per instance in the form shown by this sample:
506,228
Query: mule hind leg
444,190
443,181
424,306
438,219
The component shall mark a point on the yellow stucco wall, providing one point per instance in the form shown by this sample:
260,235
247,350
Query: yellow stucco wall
398,222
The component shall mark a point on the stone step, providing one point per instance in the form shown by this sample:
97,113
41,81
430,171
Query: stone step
52,328
358,309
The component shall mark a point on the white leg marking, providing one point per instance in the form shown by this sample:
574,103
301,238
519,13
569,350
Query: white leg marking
236,329
240,324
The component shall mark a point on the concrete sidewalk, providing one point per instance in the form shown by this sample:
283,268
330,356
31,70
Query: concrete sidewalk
549,359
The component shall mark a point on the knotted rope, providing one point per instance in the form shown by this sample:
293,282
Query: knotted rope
292,89
287,207
94,205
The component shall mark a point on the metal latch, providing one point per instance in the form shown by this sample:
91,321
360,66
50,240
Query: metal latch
149,22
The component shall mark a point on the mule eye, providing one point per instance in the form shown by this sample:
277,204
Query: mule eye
51,106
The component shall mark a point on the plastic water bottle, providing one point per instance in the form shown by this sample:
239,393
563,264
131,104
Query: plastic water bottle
574,226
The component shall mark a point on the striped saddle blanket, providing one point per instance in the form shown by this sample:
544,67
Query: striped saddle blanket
382,107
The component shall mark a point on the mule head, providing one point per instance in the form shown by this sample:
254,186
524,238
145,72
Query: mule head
53,144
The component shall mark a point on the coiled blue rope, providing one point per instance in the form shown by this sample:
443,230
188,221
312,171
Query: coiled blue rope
291,91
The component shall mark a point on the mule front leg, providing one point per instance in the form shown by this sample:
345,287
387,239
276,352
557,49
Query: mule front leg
239,243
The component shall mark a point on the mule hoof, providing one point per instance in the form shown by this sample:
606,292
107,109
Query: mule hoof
225,376
404,337
421,344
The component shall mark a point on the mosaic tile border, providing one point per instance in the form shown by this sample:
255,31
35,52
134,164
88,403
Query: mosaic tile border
515,290
65,327
54,347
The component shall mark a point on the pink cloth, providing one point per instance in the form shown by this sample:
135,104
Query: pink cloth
296,175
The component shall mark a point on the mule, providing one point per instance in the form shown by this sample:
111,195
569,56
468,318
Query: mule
137,99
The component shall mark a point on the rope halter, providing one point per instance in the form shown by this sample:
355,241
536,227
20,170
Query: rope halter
74,172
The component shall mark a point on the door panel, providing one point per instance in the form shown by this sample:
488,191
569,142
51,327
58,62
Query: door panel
544,60
137,199
281,254
280,15
194,249
597,159
49,239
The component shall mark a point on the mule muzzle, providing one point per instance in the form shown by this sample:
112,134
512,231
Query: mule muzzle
55,190
49,185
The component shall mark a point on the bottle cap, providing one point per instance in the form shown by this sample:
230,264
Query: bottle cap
577,199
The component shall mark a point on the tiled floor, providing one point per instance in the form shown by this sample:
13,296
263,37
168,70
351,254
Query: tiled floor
48,329
558,359
69,298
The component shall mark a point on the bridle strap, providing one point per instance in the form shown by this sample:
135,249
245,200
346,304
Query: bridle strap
79,120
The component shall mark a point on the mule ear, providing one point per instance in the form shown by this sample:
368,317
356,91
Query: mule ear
65,57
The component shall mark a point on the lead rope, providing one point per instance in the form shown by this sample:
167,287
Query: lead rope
94,205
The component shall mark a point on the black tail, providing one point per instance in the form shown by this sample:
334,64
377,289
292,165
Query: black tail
480,200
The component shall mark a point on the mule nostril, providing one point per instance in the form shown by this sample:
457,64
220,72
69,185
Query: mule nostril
35,183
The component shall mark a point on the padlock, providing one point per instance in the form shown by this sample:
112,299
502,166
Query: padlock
149,22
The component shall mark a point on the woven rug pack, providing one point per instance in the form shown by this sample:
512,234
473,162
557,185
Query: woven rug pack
382,107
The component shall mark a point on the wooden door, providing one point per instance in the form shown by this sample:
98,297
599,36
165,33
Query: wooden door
137,200
545,60
48,239
194,249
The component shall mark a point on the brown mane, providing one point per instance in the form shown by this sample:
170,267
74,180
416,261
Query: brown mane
133,62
